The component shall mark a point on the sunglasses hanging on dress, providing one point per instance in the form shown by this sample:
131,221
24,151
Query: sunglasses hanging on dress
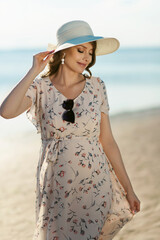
68,115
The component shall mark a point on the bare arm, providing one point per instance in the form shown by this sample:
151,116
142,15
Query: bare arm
16,102
112,151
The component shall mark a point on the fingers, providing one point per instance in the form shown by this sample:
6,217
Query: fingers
138,206
44,54
134,202
135,207
51,52
41,59
132,207
46,60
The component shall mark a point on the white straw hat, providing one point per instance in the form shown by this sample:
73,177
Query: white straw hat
78,32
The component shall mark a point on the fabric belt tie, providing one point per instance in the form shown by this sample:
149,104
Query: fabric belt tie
50,156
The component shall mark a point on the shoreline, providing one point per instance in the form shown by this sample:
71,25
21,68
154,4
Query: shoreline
9,126
136,113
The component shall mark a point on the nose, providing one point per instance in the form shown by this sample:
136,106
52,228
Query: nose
86,57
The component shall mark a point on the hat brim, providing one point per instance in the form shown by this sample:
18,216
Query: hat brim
104,45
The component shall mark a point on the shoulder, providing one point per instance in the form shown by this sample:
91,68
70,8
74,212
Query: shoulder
96,79
98,82
100,87
39,82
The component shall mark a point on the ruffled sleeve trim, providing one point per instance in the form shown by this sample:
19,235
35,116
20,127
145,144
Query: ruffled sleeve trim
33,113
104,97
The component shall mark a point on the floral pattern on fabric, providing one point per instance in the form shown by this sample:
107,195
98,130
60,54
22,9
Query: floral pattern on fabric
78,195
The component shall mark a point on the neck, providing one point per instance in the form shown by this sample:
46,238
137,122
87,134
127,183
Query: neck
67,77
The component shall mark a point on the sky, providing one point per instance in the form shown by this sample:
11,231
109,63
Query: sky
33,23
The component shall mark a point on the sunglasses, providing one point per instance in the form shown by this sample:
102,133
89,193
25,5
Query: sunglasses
68,115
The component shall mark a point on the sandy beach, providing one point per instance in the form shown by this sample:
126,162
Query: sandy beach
138,137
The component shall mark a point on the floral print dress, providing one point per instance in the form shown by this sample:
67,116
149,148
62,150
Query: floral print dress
78,195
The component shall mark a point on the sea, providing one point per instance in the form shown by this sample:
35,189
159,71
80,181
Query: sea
131,76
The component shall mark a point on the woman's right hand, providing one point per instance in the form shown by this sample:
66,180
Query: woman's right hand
16,102
40,60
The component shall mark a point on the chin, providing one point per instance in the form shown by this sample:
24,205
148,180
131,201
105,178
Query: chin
79,71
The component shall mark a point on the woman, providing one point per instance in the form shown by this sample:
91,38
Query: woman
83,190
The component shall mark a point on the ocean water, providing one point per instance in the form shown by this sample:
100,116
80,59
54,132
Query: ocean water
131,75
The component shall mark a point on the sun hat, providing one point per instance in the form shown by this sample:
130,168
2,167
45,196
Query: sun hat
78,32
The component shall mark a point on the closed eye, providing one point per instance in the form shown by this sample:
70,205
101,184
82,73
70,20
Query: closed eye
83,51
80,51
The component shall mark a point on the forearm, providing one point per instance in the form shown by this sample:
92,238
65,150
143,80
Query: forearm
113,154
15,97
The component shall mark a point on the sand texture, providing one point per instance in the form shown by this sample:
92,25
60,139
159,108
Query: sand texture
138,137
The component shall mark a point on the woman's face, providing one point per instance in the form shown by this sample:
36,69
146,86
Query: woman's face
79,57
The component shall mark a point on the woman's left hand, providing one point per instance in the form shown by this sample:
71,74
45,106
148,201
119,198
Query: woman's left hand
134,202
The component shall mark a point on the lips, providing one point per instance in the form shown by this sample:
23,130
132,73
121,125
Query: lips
82,64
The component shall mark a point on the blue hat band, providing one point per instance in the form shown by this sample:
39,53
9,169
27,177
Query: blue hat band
82,39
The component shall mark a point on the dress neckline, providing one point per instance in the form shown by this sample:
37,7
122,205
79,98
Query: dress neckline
63,94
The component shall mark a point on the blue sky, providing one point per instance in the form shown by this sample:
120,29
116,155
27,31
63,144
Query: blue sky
33,23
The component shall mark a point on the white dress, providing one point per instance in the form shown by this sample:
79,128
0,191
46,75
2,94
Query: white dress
78,195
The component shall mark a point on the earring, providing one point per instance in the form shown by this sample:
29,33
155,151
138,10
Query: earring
62,60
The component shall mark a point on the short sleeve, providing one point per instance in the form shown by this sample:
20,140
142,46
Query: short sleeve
104,104
33,113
